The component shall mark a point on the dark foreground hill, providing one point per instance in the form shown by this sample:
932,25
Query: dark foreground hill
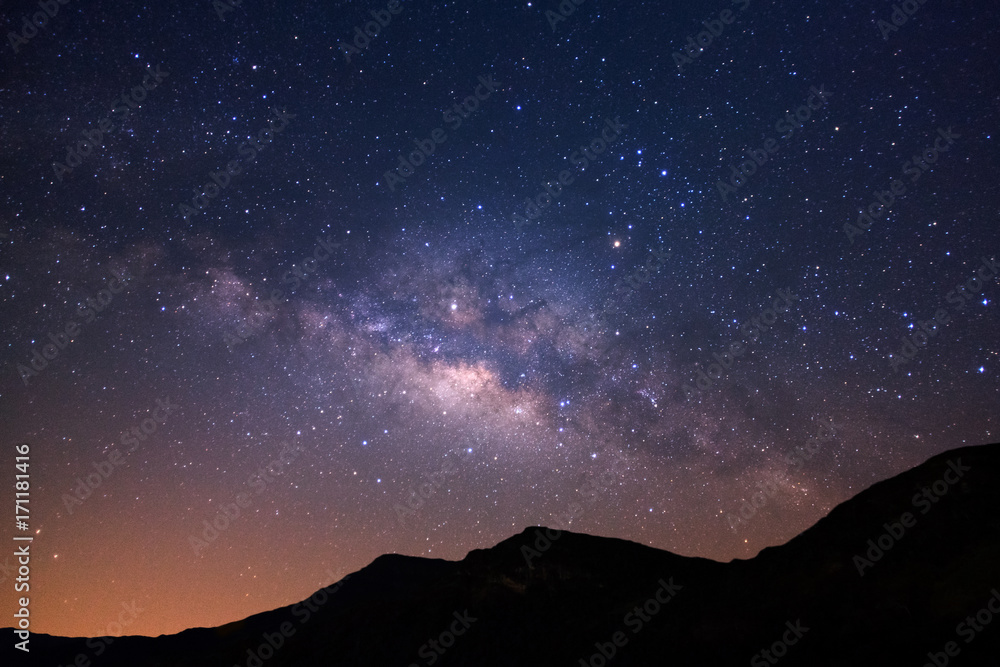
905,573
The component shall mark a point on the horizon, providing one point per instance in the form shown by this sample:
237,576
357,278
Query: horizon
544,540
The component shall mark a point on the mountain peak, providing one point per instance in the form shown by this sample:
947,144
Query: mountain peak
886,578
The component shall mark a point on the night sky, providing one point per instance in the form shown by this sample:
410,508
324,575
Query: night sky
483,262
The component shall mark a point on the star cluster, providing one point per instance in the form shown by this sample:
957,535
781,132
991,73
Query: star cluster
529,327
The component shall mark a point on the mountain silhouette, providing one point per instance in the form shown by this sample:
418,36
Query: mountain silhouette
905,573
